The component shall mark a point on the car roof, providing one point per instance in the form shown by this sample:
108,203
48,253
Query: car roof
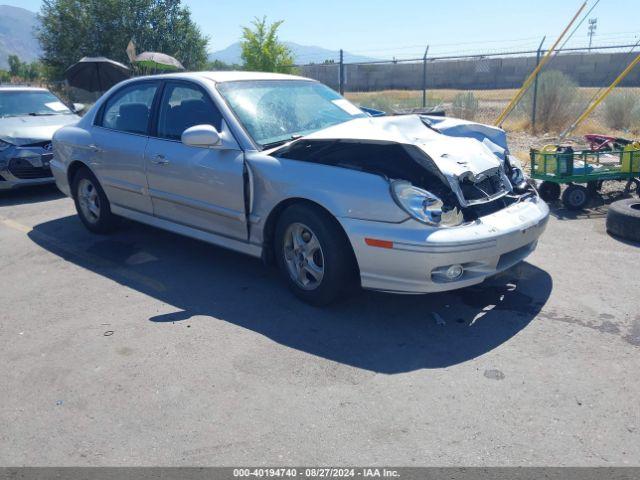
229,76
19,88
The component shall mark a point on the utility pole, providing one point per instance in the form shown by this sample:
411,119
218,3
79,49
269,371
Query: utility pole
424,78
535,87
593,25
341,72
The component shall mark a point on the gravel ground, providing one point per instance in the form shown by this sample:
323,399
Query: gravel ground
145,348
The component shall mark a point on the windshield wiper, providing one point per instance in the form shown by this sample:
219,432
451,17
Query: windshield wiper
267,146
37,114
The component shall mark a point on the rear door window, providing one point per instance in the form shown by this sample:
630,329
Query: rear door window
129,109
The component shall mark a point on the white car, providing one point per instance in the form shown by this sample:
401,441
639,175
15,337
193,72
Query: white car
284,168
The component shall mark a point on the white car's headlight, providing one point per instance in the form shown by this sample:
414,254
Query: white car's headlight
4,145
424,206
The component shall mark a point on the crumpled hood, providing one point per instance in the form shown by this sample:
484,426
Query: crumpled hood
25,130
454,156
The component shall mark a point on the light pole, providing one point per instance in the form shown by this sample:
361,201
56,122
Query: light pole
593,25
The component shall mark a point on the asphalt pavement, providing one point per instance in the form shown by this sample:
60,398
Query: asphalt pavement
147,348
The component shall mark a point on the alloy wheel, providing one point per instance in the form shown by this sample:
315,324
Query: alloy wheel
89,200
303,256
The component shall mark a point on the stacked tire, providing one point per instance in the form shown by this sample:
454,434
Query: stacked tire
623,219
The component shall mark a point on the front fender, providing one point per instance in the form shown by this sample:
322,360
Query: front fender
345,193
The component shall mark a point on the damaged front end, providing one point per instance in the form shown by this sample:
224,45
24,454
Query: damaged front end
439,180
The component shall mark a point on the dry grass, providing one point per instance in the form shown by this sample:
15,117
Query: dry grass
491,103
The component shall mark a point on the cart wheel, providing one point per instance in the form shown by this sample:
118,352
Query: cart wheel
575,197
549,191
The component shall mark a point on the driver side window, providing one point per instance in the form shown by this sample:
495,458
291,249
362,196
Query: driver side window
184,106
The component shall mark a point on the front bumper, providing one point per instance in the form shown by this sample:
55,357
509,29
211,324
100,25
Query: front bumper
25,166
420,255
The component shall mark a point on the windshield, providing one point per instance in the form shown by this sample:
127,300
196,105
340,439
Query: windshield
18,103
276,111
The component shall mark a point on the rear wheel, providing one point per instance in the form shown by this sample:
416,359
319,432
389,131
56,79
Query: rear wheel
575,197
91,203
314,255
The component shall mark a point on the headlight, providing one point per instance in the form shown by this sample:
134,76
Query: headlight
424,206
4,145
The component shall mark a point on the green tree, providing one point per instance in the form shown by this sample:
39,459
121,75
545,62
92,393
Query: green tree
72,29
262,50
220,65
16,67
33,71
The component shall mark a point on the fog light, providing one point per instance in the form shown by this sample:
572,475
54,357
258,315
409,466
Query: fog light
454,272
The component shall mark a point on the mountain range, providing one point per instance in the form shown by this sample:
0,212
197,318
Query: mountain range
17,34
17,37
301,53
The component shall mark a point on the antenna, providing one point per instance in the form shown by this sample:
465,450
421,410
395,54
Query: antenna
593,25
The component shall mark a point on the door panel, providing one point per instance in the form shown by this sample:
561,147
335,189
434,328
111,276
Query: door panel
119,141
198,187
120,168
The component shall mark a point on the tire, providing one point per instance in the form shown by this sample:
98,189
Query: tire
549,191
314,255
623,219
91,203
575,197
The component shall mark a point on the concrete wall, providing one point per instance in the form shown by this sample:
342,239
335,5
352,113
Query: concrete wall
587,69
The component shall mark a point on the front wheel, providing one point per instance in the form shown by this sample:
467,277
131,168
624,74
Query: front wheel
314,255
91,203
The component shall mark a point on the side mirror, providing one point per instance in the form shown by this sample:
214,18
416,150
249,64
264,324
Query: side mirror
78,107
201,136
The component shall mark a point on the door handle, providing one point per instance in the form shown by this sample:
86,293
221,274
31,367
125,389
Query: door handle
159,159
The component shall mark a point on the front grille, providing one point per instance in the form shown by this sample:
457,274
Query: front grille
22,168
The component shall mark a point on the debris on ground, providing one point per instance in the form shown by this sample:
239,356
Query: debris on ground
439,320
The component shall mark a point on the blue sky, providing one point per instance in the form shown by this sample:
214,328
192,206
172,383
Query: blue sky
401,28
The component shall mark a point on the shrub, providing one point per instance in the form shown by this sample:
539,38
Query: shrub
465,105
557,101
621,109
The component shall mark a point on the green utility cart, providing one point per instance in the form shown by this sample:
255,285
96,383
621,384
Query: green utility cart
584,171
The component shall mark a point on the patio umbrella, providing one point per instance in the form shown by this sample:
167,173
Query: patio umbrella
96,74
157,61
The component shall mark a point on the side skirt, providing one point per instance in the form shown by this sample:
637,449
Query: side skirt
219,240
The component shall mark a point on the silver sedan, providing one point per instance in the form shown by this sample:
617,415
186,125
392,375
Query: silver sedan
283,168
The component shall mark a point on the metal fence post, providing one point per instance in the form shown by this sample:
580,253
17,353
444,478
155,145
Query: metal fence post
424,78
535,88
341,78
